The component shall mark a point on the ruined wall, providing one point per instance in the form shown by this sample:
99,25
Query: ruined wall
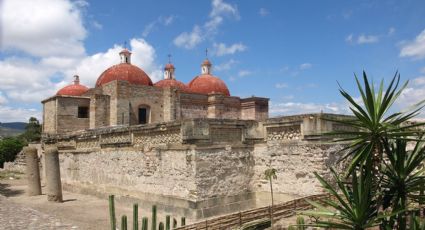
223,171
162,173
49,116
209,166
295,162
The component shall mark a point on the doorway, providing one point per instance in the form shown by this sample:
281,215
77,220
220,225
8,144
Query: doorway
143,115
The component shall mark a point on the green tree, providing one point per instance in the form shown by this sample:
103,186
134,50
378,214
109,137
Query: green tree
270,174
9,148
32,131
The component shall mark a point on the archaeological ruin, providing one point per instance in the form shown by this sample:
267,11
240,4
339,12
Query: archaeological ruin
193,149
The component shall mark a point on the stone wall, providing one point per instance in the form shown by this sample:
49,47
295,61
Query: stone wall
295,162
198,167
67,113
49,116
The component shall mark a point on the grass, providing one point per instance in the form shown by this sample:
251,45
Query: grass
10,175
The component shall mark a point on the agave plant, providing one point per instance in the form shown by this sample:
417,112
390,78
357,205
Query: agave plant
403,179
354,204
372,123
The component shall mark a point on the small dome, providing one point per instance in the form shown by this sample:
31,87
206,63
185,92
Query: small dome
124,72
73,90
165,83
207,83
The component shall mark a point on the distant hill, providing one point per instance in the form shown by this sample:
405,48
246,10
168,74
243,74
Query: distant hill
11,128
14,125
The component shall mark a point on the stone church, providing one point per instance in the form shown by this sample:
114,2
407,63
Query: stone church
125,95
192,149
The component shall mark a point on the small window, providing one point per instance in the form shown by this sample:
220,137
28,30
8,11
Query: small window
83,112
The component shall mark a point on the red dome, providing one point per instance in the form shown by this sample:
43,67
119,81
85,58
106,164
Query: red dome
73,90
172,83
124,72
206,84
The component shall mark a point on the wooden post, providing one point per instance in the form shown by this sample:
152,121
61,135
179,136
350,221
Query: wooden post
240,219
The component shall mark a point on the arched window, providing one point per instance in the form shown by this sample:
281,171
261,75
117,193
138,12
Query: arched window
144,114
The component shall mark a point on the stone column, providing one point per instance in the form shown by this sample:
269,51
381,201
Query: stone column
32,171
53,177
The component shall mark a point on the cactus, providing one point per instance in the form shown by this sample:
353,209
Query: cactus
135,217
144,223
124,222
300,223
161,226
153,217
174,223
183,221
167,222
112,212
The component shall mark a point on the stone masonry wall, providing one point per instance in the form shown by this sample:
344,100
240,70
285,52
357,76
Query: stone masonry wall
49,116
223,171
295,162
161,173
67,114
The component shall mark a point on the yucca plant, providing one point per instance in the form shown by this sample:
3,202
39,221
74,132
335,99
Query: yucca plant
403,179
373,122
354,204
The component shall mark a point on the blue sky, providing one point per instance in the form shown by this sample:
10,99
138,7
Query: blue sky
293,52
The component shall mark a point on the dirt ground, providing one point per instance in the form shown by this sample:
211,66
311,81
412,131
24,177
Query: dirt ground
78,211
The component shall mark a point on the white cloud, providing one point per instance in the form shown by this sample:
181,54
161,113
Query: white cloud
19,114
362,39
225,65
143,56
244,73
419,81
161,20
290,108
222,49
220,9
305,66
263,12
416,48
281,85
391,31
3,99
413,94
189,40
43,27
97,25
24,80
349,38
365,39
